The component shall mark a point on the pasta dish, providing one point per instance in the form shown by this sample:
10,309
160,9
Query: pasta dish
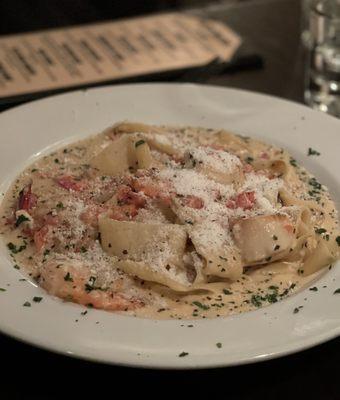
169,222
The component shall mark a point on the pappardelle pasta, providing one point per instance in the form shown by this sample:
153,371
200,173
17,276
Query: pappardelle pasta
170,222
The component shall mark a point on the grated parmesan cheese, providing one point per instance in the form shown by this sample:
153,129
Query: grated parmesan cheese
217,160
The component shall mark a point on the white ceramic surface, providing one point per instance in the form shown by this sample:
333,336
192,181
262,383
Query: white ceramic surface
30,130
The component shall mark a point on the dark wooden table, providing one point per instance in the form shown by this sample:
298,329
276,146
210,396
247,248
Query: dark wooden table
270,28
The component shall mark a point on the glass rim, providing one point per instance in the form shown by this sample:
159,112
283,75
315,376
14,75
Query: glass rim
314,8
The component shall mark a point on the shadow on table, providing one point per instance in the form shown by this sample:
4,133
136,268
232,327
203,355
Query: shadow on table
30,373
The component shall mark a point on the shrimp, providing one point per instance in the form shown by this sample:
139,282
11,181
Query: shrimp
244,200
125,212
27,199
193,202
90,215
125,195
128,204
156,191
40,238
70,183
72,283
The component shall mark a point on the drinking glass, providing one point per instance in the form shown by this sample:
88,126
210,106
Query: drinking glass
321,38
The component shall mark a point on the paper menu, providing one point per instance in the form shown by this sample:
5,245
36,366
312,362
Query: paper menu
108,51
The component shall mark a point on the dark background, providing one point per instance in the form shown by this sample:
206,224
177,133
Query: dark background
270,29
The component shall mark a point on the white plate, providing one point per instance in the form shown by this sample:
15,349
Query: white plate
273,331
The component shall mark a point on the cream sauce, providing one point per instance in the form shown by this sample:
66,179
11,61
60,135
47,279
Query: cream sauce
70,194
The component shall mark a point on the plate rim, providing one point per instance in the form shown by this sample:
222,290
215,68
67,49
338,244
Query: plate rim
143,362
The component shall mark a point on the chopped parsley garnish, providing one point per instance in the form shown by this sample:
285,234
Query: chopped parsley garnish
60,205
286,291
218,345
22,218
37,299
139,142
312,152
83,249
256,300
296,310
249,159
313,289
337,239
89,286
56,160
2,289
27,304
84,312
226,291
46,252
200,305
14,249
337,291
275,237
320,231
292,162
276,247
68,277
34,170
183,354
194,162
271,297
16,266
316,185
